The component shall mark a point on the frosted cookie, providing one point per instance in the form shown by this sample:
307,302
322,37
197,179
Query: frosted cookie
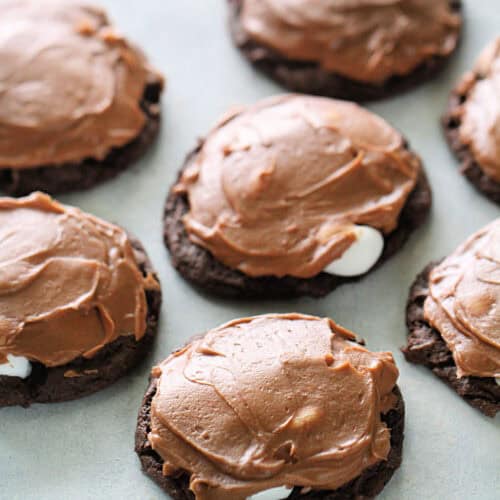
347,49
272,407
78,102
453,319
291,196
79,302
472,122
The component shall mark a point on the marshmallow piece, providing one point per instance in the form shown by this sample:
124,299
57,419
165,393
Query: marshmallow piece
306,416
272,494
17,366
361,256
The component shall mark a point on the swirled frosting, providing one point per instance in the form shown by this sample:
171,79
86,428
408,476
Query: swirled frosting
277,188
464,303
270,401
365,40
70,85
69,282
480,112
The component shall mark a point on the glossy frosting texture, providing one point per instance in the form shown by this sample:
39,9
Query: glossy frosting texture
269,401
464,303
70,85
277,188
480,113
69,282
365,40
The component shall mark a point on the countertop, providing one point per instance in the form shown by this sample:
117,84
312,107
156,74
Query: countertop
84,449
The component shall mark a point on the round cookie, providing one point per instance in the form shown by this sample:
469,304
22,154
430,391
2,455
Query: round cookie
251,398
80,302
359,51
471,123
79,103
452,317
247,236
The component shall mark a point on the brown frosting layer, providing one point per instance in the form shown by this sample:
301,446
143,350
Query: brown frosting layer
276,188
70,85
69,282
479,115
464,303
365,40
271,401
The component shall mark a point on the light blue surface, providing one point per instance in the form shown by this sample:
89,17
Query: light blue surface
84,449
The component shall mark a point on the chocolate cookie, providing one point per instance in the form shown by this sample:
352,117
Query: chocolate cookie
427,346
88,172
368,484
85,375
94,111
349,53
199,265
479,164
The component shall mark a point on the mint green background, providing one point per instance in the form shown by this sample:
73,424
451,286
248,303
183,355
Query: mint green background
84,449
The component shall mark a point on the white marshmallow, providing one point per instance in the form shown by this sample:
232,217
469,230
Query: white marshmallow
361,256
17,366
272,494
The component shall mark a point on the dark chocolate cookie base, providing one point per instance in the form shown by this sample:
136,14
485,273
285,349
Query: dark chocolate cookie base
88,172
468,165
310,78
49,385
427,347
369,484
199,266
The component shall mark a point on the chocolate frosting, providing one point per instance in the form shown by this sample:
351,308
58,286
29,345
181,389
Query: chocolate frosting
70,85
271,401
277,188
464,303
479,115
365,40
69,282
